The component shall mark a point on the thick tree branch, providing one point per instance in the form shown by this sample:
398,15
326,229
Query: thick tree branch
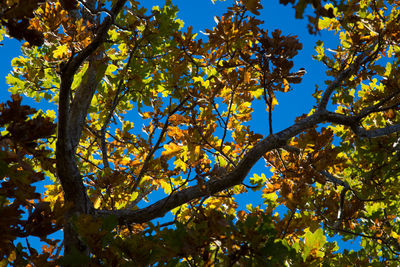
69,131
344,75
233,178
361,132
101,35
82,99
70,123
353,123
236,176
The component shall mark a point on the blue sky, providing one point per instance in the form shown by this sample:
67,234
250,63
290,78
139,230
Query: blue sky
200,14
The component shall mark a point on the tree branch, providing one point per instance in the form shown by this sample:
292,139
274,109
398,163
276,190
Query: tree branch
101,35
70,122
83,97
69,130
344,75
377,107
214,186
361,132
237,175
156,146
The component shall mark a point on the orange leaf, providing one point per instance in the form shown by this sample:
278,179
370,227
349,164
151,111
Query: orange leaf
246,78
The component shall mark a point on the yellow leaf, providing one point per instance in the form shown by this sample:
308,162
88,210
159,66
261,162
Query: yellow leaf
125,161
180,164
97,203
60,51
12,256
286,85
51,113
226,149
274,102
394,235
164,185
171,150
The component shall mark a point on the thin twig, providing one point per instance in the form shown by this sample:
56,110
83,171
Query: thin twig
156,146
227,118
345,74
288,223
114,105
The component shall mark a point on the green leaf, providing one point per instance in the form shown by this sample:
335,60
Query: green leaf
314,241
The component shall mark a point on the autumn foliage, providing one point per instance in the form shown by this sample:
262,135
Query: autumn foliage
154,121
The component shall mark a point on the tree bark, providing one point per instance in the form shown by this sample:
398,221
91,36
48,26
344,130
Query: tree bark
71,118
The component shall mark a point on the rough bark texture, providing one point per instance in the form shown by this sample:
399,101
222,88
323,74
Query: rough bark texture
70,123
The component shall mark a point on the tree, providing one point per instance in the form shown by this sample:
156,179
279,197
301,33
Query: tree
112,66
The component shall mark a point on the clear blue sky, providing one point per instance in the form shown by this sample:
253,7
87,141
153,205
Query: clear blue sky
200,14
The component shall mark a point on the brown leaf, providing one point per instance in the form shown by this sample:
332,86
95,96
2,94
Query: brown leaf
253,6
